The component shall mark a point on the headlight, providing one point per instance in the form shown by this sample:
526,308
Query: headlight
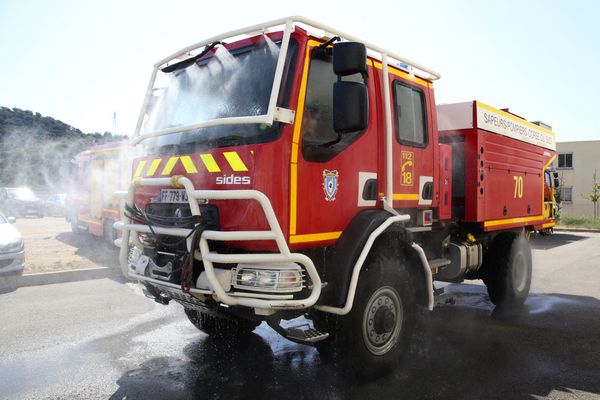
12,247
281,278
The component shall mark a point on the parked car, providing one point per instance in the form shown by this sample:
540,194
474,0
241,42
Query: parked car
20,202
55,205
12,253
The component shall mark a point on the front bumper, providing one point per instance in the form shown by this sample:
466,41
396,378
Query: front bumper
216,289
12,263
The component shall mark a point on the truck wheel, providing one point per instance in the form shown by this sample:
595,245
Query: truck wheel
379,328
508,273
220,327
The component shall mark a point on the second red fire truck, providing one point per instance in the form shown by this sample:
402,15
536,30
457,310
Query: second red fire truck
98,173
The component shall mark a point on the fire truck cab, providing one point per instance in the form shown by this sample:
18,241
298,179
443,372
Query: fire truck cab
291,170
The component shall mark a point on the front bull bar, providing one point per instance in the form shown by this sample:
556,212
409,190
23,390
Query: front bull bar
208,257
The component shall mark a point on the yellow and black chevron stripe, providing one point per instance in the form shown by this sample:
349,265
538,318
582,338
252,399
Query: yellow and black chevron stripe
190,163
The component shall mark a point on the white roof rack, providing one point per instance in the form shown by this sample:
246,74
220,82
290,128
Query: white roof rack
307,24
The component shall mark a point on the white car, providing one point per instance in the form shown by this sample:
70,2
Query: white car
12,250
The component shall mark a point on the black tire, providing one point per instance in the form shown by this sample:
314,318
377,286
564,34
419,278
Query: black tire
507,271
9,283
379,329
220,327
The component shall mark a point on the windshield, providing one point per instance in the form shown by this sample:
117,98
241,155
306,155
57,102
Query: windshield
232,83
227,84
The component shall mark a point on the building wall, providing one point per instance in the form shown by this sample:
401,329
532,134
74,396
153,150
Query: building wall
586,161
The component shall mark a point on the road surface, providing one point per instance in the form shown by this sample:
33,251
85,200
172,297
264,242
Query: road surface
102,339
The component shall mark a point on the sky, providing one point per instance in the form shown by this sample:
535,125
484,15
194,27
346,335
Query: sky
80,61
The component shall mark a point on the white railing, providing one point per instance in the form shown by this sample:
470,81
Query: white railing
288,24
254,300
209,257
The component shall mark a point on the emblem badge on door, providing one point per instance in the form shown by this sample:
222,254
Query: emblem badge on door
330,184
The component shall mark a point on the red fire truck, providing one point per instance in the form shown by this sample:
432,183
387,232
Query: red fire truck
293,170
99,172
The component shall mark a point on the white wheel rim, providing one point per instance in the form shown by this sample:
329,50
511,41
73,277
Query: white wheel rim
382,321
519,272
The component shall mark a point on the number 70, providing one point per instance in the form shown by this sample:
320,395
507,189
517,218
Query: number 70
518,186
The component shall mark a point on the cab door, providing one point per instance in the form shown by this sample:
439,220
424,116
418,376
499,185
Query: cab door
329,171
414,146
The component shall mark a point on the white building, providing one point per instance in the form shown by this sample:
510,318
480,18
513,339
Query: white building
576,164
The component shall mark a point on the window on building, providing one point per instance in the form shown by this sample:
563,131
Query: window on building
566,194
411,118
565,160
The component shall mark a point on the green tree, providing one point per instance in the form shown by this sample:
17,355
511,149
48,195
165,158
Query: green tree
36,150
594,195
558,195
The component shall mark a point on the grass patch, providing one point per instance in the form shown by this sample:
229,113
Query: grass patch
575,221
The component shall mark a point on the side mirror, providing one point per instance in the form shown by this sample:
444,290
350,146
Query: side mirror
11,220
555,175
556,182
349,58
350,99
350,107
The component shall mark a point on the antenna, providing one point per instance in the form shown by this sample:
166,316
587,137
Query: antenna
114,125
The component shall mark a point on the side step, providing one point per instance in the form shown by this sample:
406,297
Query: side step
439,262
442,298
306,334
302,334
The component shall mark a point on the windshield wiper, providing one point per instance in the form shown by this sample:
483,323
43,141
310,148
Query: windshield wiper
227,141
189,61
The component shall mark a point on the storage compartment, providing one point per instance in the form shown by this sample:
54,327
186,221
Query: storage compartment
498,163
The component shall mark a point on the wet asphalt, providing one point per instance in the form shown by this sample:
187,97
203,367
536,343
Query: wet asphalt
102,339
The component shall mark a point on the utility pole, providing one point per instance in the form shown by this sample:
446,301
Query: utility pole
114,125
595,194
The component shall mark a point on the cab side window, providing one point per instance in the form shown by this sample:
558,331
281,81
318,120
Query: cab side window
411,115
320,142
547,186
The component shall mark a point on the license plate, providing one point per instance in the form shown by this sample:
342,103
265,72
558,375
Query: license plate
173,196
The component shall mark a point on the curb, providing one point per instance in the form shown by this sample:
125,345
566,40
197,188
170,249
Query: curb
583,230
47,278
